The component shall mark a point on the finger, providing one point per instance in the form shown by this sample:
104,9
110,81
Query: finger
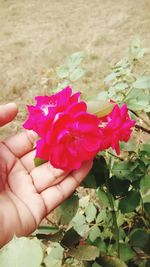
28,160
21,143
21,184
56,194
6,157
7,113
45,176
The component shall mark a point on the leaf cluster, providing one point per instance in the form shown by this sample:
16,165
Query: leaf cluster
125,85
67,74
108,224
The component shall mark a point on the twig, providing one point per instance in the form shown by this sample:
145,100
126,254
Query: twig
140,117
114,217
139,127
115,156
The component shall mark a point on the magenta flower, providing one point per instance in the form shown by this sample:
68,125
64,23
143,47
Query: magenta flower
69,135
116,127
43,113
72,140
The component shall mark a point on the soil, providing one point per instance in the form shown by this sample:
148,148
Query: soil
37,35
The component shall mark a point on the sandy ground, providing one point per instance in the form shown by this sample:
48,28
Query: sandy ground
39,34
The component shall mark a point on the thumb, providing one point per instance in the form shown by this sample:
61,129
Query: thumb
7,113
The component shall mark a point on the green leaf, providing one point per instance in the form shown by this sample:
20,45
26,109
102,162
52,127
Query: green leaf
76,74
138,238
120,86
120,219
107,261
144,153
129,146
131,170
95,264
101,245
136,51
98,173
110,77
146,198
103,197
90,213
130,202
46,230
118,187
116,97
142,83
126,253
101,216
99,107
137,105
62,71
89,181
122,169
147,208
75,60
94,233
100,170
147,263
70,239
55,256
67,210
85,253
122,233
79,224
145,184
21,252
39,161
146,148
107,234
138,100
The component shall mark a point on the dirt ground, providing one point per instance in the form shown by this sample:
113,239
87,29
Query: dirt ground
39,34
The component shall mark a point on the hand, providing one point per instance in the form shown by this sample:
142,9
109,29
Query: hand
28,193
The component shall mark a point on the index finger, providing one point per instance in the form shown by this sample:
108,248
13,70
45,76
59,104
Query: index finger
55,195
21,143
7,113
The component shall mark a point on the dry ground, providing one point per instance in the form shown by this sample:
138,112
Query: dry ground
39,34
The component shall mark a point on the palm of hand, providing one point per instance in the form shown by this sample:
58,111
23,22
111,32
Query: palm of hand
27,194
18,192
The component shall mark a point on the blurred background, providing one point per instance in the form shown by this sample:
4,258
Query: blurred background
38,35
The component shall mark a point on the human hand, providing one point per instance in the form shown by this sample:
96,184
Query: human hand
29,193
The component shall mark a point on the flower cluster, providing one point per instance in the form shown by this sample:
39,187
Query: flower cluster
69,135
117,128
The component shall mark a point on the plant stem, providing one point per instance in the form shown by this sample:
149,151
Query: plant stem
140,117
139,127
125,97
115,156
114,217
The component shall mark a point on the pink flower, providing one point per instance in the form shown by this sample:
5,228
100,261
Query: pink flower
115,127
69,135
72,140
43,113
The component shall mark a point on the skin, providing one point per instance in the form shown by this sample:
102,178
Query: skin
28,193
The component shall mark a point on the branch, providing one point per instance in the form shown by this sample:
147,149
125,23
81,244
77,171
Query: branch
139,127
114,217
140,117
